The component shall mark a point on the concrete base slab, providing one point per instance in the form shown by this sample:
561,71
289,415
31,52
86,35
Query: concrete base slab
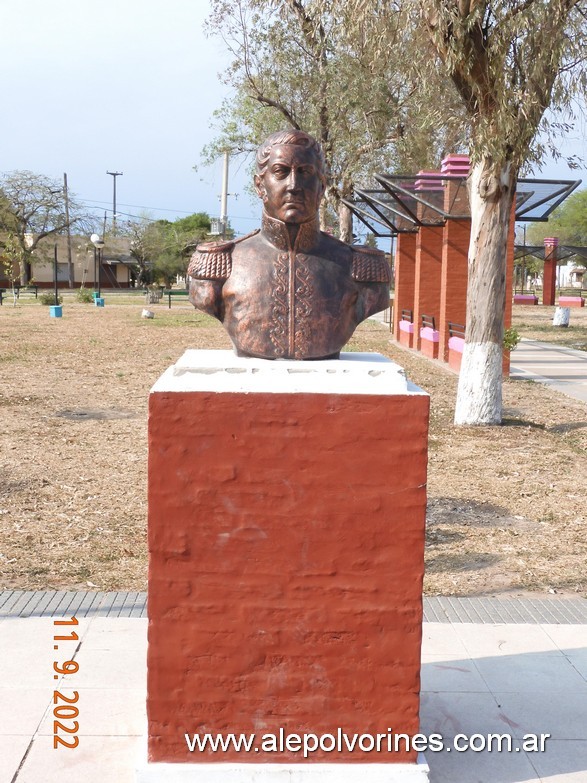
284,773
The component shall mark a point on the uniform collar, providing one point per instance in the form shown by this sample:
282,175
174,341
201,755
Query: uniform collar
276,232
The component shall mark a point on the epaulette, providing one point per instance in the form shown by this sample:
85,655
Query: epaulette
369,265
213,260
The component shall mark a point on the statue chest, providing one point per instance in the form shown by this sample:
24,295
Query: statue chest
281,304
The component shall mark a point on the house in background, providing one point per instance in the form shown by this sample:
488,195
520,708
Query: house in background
577,276
116,269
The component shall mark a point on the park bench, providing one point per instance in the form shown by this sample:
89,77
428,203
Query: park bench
456,330
429,337
26,289
179,292
18,290
406,328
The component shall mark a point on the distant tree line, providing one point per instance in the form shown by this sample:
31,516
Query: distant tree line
34,207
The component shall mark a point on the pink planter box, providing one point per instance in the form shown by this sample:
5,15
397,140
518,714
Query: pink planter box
456,344
571,301
406,333
455,352
525,299
430,339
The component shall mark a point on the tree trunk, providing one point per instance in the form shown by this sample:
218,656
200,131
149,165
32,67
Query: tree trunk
25,272
491,194
345,222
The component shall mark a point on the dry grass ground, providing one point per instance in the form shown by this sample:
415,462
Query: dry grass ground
507,504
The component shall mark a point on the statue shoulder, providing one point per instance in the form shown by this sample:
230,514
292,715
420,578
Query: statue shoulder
213,260
369,265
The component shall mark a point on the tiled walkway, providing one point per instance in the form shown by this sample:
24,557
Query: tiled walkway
525,674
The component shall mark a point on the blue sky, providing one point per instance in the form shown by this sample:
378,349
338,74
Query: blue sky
125,85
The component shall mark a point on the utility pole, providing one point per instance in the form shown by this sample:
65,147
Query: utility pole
114,174
70,270
224,197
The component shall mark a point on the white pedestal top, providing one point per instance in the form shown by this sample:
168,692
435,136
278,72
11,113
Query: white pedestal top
223,371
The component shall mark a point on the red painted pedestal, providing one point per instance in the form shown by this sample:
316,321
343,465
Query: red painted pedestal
286,537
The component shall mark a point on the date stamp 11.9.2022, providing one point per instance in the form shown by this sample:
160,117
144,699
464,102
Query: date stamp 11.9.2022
65,710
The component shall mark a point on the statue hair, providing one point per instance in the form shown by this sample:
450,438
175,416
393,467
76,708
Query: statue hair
297,137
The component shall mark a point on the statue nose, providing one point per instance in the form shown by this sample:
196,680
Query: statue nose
293,180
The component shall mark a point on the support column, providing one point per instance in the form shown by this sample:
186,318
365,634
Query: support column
455,250
428,257
405,270
285,572
549,275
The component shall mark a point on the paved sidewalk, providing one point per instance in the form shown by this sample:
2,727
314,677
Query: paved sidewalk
563,369
489,665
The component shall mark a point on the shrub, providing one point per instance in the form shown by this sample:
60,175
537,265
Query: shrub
511,338
49,299
84,295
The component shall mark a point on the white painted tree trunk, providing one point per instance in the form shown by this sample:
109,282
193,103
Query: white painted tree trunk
479,395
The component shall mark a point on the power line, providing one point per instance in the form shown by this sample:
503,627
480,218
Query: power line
156,209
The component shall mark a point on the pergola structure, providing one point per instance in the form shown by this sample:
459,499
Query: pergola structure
406,203
429,215
552,254
540,251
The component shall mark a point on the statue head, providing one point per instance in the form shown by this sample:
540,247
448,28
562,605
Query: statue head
291,176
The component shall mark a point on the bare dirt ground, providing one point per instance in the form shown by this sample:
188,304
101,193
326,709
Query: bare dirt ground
506,504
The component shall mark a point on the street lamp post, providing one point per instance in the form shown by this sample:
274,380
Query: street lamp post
98,243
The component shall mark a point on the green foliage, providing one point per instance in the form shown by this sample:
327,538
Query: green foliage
49,298
568,222
510,62
11,258
511,338
306,64
161,249
84,295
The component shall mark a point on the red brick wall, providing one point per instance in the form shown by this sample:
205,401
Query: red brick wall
428,276
455,274
286,537
405,270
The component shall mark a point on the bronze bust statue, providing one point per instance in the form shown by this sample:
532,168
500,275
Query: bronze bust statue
289,290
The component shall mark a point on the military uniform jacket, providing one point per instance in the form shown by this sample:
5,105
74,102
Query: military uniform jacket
280,299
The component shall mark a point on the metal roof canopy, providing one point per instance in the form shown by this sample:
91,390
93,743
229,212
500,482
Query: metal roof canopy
404,203
563,252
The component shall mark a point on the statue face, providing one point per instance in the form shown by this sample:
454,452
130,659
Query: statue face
291,187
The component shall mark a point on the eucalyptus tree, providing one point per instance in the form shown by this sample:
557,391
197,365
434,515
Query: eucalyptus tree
304,64
517,67
510,63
